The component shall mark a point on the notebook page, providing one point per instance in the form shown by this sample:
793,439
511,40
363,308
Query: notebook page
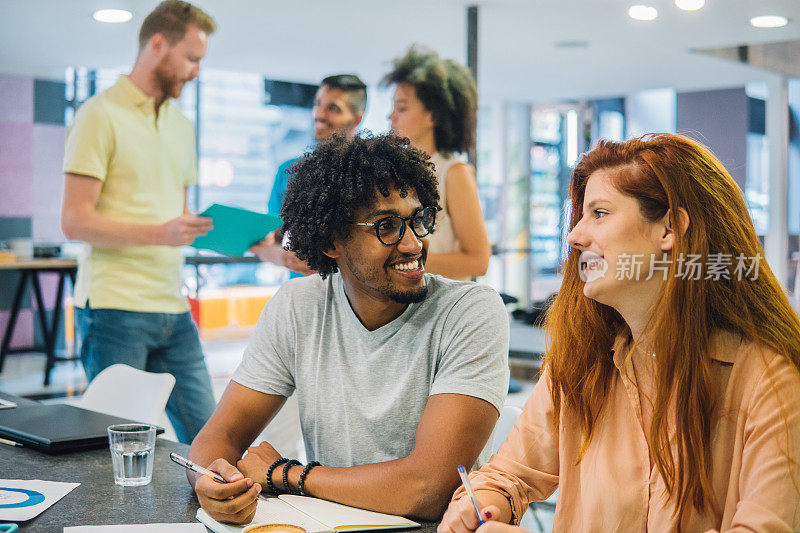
269,511
342,517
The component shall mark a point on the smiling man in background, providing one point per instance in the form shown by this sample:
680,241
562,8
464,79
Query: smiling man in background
339,107
129,156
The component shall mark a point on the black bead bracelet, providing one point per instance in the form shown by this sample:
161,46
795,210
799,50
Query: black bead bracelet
270,485
301,485
286,468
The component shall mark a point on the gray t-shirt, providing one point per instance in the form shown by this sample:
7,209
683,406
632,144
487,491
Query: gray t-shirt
361,393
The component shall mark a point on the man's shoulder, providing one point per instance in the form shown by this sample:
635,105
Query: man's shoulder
304,291
444,293
96,106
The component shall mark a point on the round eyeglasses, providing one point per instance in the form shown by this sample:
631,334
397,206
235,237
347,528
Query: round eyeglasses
390,230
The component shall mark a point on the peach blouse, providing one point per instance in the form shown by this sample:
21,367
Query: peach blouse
755,451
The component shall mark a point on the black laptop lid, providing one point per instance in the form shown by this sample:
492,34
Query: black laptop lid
58,428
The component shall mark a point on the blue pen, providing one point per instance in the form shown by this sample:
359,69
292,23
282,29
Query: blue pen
463,473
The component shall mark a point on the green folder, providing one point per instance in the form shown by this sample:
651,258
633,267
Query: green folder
235,230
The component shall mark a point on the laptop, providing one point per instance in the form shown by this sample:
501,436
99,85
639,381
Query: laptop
58,428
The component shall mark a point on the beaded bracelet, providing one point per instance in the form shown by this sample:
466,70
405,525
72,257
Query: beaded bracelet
272,488
286,468
302,483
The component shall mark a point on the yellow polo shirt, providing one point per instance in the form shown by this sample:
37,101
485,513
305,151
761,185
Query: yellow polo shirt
144,163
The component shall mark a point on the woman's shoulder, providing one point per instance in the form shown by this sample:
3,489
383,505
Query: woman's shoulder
757,369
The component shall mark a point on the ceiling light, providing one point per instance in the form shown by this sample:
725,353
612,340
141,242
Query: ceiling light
690,5
643,12
571,44
769,21
113,16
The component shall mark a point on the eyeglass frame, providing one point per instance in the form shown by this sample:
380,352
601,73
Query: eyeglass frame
405,221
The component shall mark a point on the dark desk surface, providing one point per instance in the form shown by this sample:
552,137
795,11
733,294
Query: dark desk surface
19,400
98,501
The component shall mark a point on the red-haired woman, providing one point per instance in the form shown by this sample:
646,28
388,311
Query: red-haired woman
670,395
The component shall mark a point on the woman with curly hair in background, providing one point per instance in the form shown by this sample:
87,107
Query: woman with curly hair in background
435,106
670,395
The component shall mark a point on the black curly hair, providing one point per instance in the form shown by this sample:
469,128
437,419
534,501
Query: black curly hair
342,175
447,90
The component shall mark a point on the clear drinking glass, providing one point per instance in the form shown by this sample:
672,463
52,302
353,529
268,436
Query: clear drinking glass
132,447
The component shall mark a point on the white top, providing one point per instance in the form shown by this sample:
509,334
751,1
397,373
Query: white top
443,240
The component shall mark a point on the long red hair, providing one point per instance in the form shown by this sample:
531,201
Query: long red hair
665,172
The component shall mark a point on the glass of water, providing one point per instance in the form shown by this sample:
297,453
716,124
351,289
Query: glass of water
132,447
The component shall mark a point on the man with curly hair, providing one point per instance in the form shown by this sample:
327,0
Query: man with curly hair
400,375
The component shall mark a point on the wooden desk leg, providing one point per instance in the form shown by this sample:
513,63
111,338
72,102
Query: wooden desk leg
12,318
49,344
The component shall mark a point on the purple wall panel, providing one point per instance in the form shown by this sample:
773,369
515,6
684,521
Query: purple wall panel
48,152
16,99
23,330
16,169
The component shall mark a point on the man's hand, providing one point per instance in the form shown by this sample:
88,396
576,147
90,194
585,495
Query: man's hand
254,465
270,249
184,229
460,517
294,264
234,501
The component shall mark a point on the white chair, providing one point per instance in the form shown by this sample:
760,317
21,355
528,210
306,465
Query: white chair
508,417
124,391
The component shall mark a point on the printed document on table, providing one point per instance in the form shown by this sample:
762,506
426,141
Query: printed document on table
23,499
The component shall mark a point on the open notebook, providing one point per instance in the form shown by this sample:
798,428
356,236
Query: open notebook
312,514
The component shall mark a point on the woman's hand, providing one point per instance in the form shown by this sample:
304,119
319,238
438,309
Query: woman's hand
460,517
500,527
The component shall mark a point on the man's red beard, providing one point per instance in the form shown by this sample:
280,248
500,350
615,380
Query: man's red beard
168,82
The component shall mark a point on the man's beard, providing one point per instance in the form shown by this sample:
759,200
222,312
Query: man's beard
402,297
169,84
407,297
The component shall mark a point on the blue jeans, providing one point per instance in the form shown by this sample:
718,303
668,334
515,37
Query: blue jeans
155,342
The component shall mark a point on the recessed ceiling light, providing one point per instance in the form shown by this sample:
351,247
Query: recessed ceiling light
113,16
571,44
690,5
643,12
769,21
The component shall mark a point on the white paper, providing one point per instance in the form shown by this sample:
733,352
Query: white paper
23,499
336,515
269,511
193,527
312,514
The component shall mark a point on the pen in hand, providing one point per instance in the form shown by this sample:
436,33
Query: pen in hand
463,473
186,463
